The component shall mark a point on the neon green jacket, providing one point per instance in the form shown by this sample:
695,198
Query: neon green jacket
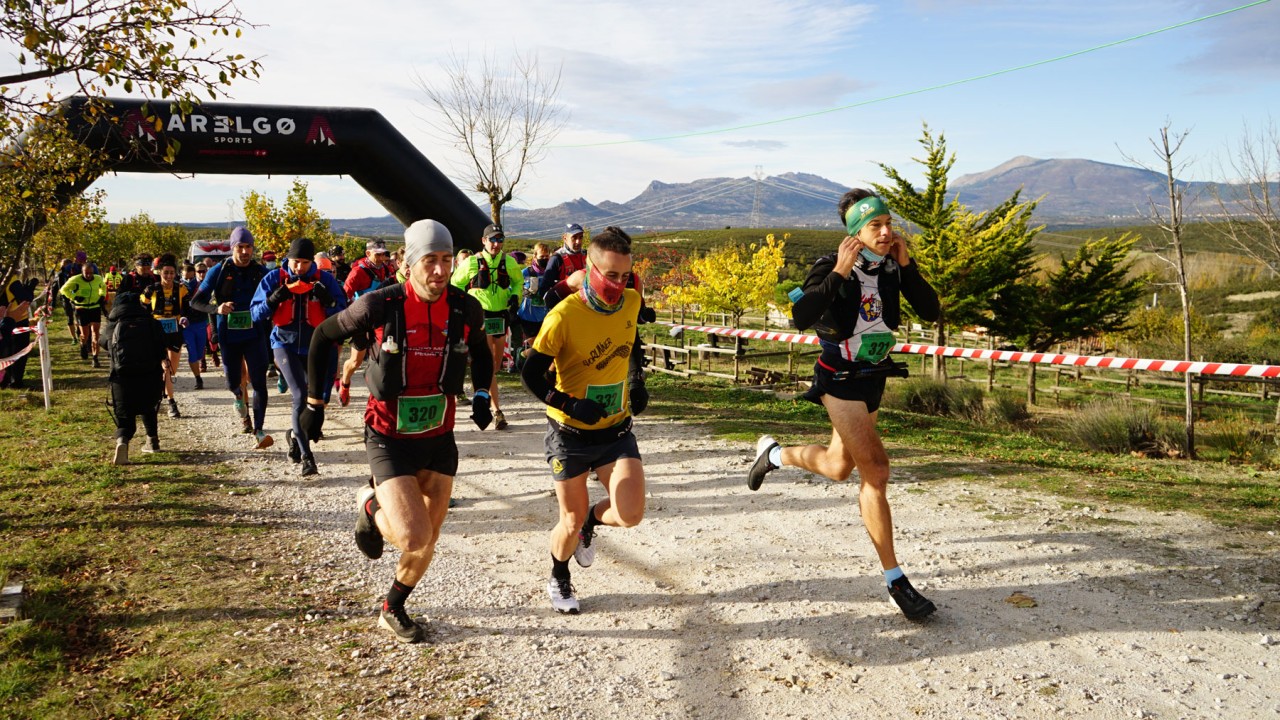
84,293
485,283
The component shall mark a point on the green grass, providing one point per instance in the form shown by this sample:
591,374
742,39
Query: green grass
942,448
128,571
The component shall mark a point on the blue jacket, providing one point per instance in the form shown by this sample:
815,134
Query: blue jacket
295,334
243,283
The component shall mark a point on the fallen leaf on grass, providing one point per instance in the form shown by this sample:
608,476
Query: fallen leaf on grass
1018,599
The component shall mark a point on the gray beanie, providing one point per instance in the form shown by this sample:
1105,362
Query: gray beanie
425,236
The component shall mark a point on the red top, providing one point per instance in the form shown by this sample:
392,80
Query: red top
426,331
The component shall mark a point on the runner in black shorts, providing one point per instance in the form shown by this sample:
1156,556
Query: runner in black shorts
591,337
853,299
421,333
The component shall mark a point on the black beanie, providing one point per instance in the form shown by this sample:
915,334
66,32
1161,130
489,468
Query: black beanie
302,249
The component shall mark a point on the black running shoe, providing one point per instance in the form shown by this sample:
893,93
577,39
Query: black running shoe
246,425
84,351
914,605
397,620
368,536
199,382
295,450
761,466
308,466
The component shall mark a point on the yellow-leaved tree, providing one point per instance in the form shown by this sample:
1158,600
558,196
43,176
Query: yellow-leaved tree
733,279
274,228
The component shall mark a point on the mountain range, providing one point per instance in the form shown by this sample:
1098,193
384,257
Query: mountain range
1073,193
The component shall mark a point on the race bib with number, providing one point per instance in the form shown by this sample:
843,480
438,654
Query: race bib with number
875,346
419,414
239,320
610,396
169,325
495,326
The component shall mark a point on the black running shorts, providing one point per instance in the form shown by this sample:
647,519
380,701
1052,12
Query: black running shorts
571,454
396,457
868,390
89,315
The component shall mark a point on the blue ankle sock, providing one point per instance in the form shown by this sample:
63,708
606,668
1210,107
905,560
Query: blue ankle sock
775,456
894,574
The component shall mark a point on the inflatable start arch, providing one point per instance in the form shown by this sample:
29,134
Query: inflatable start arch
240,139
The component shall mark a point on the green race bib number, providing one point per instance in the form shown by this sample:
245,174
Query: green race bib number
420,414
169,325
239,320
495,326
610,396
875,346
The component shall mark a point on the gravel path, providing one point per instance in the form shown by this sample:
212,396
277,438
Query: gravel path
730,604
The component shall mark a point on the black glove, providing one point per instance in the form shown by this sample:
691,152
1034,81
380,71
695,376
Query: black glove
278,296
647,314
321,293
585,411
481,414
311,421
639,397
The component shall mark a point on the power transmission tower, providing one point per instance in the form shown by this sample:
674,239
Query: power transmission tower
755,206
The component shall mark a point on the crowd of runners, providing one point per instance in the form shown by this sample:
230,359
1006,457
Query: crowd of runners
568,322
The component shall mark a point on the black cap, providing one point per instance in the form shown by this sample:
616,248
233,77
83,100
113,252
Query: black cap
302,249
492,232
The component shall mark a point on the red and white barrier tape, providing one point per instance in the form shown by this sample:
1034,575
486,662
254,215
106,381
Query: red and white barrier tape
1114,363
6,362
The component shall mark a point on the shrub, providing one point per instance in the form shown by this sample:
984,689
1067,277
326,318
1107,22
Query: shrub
1241,440
1123,427
1009,407
931,397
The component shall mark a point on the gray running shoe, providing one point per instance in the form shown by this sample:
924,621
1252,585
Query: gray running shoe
398,621
151,445
563,596
173,409
122,452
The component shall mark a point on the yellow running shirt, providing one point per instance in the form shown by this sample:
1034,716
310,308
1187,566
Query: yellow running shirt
592,353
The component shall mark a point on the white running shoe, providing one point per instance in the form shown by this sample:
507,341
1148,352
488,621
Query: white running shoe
122,452
563,597
585,553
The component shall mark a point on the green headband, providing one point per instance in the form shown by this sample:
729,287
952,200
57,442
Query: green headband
861,213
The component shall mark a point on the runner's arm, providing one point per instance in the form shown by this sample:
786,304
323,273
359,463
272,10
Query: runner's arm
820,288
365,314
555,268
202,300
478,346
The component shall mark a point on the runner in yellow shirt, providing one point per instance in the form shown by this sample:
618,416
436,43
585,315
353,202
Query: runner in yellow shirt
591,337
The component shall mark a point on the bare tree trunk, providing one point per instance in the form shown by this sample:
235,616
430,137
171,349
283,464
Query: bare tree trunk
1167,149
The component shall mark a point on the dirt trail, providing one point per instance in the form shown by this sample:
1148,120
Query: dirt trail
730,604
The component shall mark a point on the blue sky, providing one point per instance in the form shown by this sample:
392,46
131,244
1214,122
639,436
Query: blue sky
635,70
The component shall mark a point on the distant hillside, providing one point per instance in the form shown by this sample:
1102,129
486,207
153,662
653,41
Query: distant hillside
1079,192
1076,193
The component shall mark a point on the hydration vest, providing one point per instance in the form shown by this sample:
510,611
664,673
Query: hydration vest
386,372
301,293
